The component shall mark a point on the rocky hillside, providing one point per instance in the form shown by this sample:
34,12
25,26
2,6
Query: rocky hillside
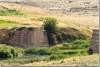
63,6
30,11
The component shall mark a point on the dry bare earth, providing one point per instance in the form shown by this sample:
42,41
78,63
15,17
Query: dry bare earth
23,7
80,21
91,60
29,10
34,12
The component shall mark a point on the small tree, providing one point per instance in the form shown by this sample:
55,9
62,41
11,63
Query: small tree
50,25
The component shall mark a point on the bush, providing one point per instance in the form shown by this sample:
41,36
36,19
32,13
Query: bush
61,35
52,39
51,28
59,38
50,25
37,51
77,44
84,52
5,54
10,52
80,44
43,52
71,34
56,56
53,50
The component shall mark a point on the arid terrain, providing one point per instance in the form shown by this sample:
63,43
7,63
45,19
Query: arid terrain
73,19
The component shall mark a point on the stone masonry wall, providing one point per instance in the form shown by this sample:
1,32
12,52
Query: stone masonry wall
27,38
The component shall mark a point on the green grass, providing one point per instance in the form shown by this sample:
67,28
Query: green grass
10,24
77,44
11,12
31,55
9,51
37,58
25,59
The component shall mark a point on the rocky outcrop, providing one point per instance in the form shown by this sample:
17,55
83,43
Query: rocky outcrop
95,41
4,35
25,37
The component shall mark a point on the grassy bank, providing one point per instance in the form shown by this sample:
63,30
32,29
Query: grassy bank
47,54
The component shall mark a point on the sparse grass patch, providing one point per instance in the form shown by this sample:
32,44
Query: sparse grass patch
11,12
9,24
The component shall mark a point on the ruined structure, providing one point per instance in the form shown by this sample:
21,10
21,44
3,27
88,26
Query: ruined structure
25,37
95,41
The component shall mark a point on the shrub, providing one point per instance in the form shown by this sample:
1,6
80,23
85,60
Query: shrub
56,56
67,45
51,28
52,39
71,34
30,51
37,51
80,44
5,54
72,52
10,52
61,35
50,25
84,52
43,52
77,44
59,38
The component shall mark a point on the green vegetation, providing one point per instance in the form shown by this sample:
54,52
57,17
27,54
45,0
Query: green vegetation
73,43
30,55
91,60
60,35
78,44
9,24
10,52
51,28
50,25
66,42
10,12
53,51
71,34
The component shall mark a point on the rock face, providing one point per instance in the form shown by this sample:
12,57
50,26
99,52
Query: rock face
95,41
26,37
4,34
